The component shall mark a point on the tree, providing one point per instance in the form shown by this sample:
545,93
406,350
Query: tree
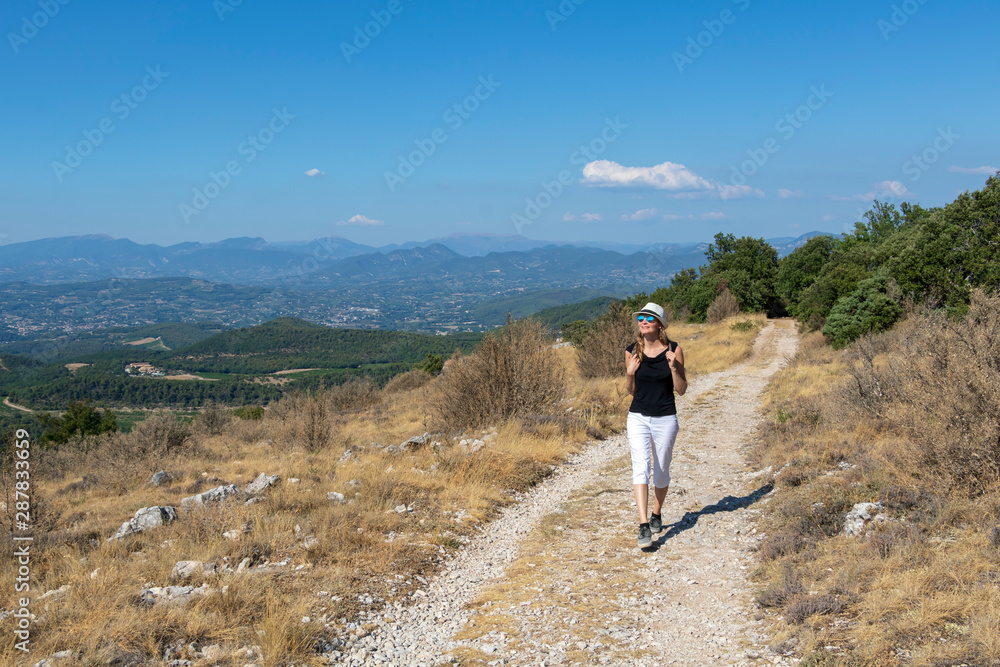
801,268
871,308
575,331
747,266
432,365
79,419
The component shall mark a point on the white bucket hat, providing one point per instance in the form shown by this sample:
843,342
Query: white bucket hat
656,311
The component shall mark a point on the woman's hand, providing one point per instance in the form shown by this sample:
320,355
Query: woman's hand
631,363
676,361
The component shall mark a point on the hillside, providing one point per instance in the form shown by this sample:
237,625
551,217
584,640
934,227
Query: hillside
234,367
293,343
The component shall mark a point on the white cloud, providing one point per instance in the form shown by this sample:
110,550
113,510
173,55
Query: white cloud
361,220
828,217
669,176
982,171
641,214
708,215
883,190
738,192
790,194
585,217
315,172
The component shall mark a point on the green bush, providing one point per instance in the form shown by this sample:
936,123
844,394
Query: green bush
80,419
871,308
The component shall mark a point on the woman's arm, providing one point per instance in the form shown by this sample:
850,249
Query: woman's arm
631,366
676,359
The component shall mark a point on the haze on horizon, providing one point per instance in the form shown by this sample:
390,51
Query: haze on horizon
389,121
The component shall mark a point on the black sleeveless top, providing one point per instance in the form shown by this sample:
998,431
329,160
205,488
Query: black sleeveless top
654,385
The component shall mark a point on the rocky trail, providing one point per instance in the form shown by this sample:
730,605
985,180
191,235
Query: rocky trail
558,579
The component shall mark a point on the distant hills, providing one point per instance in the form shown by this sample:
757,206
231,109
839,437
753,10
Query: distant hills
254,261
52,287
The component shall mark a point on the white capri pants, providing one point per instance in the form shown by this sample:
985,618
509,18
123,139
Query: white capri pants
651,438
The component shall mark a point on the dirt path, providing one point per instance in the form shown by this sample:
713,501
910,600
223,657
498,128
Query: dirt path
558,578
6,401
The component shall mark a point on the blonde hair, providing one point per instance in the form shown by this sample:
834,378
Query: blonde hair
640,343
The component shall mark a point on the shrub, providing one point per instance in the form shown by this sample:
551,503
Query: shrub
249,412
725,305
512,372
355,394
80,419
603,351
212,419
408,381
938,382
804,607
872,307
432,365
743,325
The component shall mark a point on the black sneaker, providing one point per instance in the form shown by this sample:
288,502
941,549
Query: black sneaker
645,536
655,523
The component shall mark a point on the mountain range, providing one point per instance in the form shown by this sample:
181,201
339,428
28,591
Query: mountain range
326,260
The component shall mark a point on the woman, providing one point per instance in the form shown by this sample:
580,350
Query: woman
654,370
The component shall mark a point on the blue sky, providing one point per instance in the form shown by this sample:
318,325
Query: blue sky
175,121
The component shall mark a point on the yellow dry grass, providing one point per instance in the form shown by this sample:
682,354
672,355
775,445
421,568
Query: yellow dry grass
713,347
922,589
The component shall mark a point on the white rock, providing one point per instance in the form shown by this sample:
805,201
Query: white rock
336,497
218,494
188,568
213,653
261,484
55,592
860,514
145,519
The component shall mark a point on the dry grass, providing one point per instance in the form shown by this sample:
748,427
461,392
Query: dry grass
709,348
921,589
83,493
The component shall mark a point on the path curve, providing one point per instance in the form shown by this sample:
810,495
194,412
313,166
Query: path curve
528,591
6,401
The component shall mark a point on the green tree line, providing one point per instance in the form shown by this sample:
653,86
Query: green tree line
850,285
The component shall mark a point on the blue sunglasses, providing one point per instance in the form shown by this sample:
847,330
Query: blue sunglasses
645,318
